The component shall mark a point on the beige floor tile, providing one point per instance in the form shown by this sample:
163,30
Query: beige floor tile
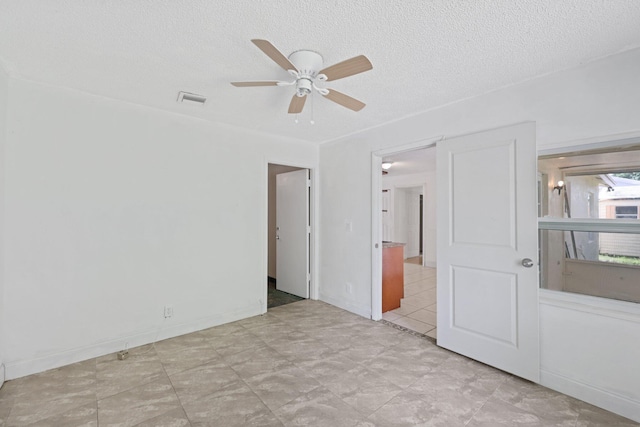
390,316
496,412
300,349
175,418
418,302
529,396
86,416
424,284
319,408
363,389
51,393
257,361
433,307
433,333
414,325
412,289
425,316
281,387
203,381
413,278
115,376
238,407
421,299
409,409
329,368
306,363
590,416
6,403
138,404
185,352
404,309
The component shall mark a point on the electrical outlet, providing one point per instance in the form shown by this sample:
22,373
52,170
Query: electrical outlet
349,288
168,311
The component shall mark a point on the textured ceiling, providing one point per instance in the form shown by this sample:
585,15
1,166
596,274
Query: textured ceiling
424,53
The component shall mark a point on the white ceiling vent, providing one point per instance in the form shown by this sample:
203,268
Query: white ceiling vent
191,98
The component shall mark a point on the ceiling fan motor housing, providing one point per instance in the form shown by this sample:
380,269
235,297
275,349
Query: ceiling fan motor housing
309,63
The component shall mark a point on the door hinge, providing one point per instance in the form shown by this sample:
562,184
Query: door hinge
308,229
309,183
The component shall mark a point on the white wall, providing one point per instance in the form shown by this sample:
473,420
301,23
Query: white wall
113,211
427,181
600,98
4,94
590,350
407,219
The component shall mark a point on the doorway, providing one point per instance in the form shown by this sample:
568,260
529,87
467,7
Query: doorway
289,234
410,221
478,258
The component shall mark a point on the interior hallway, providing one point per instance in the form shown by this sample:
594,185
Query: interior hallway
417,310
306,363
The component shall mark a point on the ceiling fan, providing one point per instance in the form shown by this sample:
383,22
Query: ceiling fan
305,66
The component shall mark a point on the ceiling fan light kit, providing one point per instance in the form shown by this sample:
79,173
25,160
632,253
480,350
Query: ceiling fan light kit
305,66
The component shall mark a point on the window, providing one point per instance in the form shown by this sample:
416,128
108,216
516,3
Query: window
626,212
589,225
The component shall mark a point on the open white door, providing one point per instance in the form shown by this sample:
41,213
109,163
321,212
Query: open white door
292,232
487,248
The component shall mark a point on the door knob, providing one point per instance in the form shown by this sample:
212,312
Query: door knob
527,262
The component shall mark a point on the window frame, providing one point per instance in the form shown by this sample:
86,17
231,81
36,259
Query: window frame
626,215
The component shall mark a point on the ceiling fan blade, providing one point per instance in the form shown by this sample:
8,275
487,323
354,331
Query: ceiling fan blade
273,53
297,103
251,84
347,68
345,100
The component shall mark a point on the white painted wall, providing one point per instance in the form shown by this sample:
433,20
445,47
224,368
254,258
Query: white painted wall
400,226
590,350
4,95
407,219
114,210
600,98
427,181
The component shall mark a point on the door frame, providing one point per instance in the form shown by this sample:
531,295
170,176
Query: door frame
376,215
313,212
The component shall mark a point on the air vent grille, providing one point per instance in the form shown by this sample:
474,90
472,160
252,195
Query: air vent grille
191,98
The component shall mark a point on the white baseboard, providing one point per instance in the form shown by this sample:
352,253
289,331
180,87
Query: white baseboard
1,374
21,368
602,398
356,309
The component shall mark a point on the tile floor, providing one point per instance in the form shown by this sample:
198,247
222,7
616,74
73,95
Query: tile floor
302,364
418,307
276,297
